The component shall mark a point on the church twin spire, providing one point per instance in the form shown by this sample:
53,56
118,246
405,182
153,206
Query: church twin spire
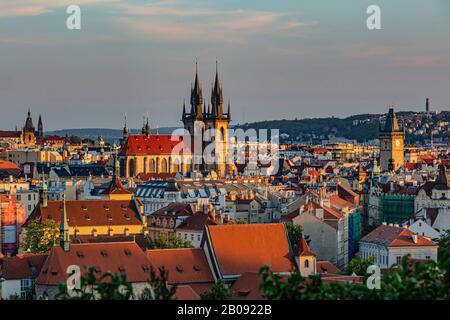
214,111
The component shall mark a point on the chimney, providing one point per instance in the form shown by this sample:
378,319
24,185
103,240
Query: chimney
427,105
414,238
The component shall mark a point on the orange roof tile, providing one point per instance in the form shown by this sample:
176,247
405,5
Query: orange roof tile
90,212
240,248
22,266
115,257
184,265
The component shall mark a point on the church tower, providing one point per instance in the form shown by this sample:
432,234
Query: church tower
194,123
28,131
392,139
203,120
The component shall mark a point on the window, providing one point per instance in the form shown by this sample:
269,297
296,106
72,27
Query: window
428,257
306,263
399,259
198,237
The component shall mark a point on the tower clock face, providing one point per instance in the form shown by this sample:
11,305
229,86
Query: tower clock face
397,143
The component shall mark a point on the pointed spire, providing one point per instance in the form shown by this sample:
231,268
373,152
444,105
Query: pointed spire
184,109
64,227
303,248
125,128
216,94
196,96
229,110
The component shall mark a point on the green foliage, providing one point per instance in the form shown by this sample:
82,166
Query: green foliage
359,266
163,241
106,287
409,281
158,288
40,236
115,287
295,232
75,140
219,291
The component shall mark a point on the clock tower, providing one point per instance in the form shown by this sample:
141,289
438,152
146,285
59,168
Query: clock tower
392,139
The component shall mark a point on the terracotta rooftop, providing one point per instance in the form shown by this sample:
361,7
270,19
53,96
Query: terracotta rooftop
117,257
153,144
326,267
247,287
184,265
241,248
22,266
90,212
391,236
197,222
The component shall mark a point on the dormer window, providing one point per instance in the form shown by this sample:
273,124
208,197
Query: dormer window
179,268
197,268
80,254
104,253
127,252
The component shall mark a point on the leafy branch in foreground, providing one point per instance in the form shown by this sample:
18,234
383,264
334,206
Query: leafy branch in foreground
410,280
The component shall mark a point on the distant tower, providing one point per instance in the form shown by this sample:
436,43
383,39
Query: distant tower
391,143
28,131
40,131
427,105
146,126
64,240
125,129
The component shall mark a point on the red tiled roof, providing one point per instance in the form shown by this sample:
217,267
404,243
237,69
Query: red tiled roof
116,187
156,176
113,257
241,248
247,287
6,165
162,144
303,249
186,293
90,212
10,134
22,266
197,222
184,265
396,237
326,267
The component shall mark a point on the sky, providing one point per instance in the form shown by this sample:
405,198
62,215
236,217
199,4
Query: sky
278,59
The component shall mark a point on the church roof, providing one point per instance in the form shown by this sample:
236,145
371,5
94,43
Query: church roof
154,144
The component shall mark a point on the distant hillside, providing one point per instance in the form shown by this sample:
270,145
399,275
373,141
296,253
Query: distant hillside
110,135
362,127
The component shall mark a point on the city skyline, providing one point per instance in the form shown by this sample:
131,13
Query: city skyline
276,61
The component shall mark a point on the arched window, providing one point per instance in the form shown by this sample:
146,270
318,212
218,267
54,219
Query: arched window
152,165
306,263
131,168
145,165
164,166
